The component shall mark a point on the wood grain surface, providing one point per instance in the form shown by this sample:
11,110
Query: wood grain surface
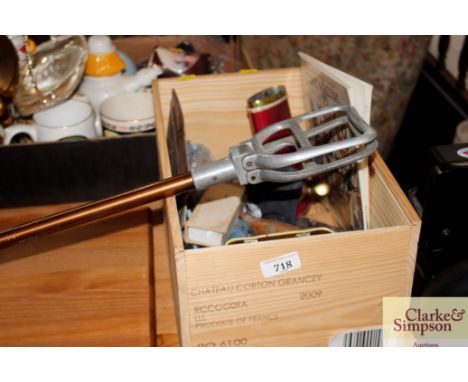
338,287
166,323
88,286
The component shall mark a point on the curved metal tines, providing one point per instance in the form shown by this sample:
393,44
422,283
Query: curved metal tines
295,140
260,164
350,118
310,169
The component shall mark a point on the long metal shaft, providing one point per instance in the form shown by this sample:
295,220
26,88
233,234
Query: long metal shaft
95,210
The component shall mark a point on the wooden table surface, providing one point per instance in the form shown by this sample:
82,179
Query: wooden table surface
106,283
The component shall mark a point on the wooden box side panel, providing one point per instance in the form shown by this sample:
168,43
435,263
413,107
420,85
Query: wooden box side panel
389,206
165,171
165,305
214,106
178,272
174,241
339,286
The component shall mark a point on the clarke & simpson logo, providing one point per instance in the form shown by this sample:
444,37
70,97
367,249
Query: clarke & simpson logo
416,320
425,321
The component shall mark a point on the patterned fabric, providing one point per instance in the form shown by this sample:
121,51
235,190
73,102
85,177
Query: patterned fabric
390,63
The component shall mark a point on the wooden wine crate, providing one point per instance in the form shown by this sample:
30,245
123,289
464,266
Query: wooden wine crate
221,295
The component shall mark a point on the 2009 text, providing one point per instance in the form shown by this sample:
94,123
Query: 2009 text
310,294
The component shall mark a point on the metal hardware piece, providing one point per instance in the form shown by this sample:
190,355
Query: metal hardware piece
254,161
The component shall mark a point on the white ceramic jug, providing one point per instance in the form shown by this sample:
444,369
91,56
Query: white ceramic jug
103,77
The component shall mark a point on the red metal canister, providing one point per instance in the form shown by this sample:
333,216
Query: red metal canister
268,107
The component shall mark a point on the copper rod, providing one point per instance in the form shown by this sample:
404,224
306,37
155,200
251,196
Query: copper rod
95,210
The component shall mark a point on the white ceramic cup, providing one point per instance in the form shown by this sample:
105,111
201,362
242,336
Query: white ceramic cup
70,120
127,113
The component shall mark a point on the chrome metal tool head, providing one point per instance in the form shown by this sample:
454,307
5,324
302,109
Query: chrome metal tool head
296,156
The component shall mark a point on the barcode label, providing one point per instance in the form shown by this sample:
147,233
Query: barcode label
358,338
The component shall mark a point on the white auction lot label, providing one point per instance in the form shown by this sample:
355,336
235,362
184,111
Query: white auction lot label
281,264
